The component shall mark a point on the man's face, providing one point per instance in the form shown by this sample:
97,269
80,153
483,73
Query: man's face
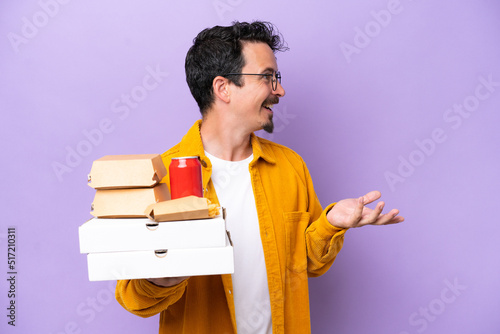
254,100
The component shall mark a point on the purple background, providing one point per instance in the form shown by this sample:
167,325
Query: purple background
356,116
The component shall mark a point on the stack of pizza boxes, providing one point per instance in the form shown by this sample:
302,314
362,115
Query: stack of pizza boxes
138,232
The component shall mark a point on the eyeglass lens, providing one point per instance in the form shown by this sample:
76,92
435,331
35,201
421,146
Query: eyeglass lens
276,79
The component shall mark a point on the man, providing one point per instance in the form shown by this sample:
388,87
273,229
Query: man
281,234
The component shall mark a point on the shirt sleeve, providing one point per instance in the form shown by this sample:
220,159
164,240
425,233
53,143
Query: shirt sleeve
323,240
146,299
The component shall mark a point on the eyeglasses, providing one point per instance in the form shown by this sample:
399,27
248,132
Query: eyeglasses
275,77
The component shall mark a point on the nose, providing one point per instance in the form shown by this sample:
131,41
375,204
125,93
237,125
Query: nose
280,91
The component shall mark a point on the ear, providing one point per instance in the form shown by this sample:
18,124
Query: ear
221,88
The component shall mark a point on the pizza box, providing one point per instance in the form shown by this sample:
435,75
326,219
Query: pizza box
161,263
141,234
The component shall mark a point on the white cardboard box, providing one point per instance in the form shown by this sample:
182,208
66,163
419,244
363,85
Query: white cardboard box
167,263
142,234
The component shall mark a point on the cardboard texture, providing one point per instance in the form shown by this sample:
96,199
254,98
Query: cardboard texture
161,263
190,207
127,171
122,203
134,234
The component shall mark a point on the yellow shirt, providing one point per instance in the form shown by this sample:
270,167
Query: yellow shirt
298,243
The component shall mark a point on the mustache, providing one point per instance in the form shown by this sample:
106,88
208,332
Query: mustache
272,100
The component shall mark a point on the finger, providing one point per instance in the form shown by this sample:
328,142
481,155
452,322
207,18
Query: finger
371,196
395,220
374,215
389,218
358,211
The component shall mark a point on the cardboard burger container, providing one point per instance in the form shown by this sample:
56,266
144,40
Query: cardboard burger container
184,208
127,203
161,263
127,171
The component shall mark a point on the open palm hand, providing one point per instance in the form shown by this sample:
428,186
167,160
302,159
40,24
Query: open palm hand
352,212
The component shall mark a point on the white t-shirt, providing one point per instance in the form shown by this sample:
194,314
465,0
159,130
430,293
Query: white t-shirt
250,289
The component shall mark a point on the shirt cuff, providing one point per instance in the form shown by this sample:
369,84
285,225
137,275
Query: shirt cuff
324,227
146,288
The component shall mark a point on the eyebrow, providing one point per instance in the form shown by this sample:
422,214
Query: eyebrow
269,69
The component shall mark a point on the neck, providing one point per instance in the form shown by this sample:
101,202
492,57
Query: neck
222,139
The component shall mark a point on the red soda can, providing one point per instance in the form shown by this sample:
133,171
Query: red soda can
185,177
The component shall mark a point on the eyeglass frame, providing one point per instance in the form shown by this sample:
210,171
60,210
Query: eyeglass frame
276,77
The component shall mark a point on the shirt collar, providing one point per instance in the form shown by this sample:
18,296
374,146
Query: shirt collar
261,151
191,144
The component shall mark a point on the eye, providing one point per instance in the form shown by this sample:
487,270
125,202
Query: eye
267,76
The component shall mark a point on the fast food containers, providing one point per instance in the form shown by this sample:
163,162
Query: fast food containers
133,248
136,234
126,184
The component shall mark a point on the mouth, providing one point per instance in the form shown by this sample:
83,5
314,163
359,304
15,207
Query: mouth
269,103
268,107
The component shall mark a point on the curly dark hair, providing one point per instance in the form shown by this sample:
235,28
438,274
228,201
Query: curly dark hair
218,50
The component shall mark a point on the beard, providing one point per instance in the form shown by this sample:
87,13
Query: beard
269,125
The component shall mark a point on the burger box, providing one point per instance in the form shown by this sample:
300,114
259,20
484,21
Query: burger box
141,234
129,203
184,208
161,263
127,171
